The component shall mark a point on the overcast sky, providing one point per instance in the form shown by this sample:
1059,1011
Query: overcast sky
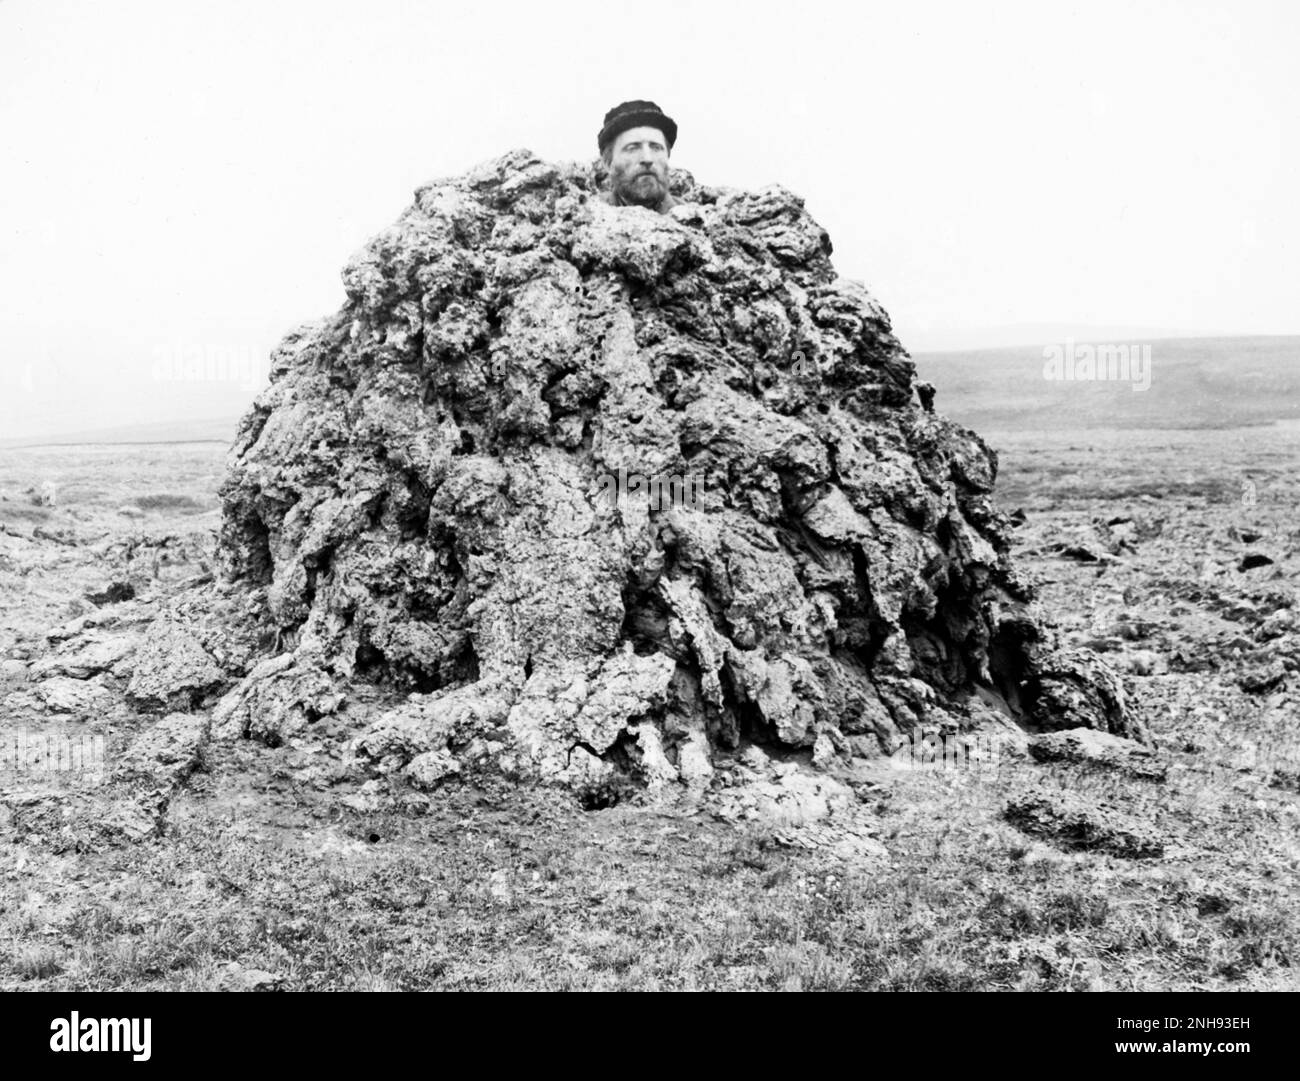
180,175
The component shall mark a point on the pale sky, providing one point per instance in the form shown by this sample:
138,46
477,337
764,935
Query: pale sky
183,176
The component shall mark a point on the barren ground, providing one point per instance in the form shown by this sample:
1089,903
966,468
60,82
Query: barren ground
261,881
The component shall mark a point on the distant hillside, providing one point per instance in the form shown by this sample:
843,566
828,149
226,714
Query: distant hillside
1194,383
1016,335
216,429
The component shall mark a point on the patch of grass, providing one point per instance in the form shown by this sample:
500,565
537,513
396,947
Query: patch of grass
1259,937
34,961
524,889
16,512
168,501
1054,913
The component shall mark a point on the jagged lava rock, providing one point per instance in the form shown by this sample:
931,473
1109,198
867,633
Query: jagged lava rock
171,668
168,751
418,494
1071,822
1090,747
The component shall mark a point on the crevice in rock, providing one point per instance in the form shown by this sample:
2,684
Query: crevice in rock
260,566
413,517
645,621
750,726
1012,674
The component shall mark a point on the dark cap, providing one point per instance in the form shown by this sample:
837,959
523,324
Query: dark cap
635,114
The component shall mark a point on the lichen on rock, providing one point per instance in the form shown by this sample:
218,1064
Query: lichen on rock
421,492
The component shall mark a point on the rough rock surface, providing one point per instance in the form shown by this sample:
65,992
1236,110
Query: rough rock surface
1088,746
1072,822
89,810
167,751
171,668
417,502
84,821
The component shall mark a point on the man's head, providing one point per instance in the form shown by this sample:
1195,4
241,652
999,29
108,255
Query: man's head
635,143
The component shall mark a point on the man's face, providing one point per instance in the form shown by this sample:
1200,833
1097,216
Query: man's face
638,166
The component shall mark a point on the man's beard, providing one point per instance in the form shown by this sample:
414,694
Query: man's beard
639,194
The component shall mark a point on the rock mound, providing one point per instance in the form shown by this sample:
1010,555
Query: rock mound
1074,823
595,493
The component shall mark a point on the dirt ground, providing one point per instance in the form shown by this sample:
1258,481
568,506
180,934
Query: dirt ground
1172,552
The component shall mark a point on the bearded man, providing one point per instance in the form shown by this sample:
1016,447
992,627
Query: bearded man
635,143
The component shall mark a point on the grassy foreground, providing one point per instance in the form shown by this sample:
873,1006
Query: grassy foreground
262,883
497,888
